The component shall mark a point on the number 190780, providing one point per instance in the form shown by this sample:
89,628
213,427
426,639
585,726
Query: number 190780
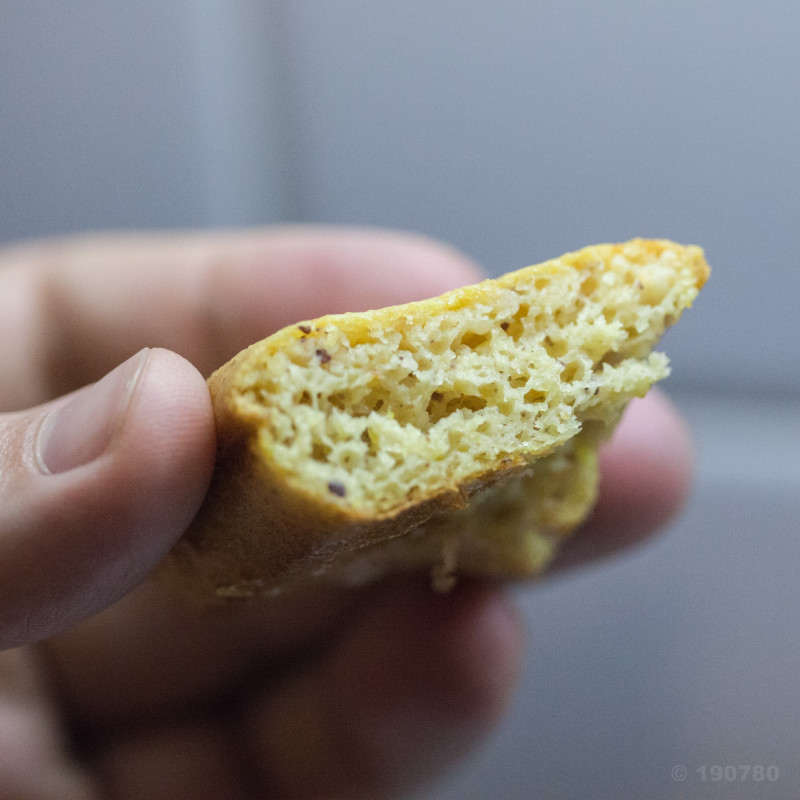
731,773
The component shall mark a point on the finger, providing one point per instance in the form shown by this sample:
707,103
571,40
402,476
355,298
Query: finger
645,472
154,655
416,681
72,309
34,756
95,488
192,760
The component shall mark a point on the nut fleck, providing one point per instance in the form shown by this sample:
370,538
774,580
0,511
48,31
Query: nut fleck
324,355
305,329
337,488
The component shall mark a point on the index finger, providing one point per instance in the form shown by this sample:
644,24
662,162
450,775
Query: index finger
72,309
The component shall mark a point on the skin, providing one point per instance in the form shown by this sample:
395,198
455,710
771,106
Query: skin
111,688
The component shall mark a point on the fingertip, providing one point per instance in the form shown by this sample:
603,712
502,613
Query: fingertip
419,267
171,422
280,276
411,686
648,464
456,654
76,538
165,452
444,679
472,640
645,477
379,266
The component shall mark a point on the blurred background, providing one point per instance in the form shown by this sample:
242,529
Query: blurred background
515,130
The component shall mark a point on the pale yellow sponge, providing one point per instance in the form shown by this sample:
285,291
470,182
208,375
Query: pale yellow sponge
457,434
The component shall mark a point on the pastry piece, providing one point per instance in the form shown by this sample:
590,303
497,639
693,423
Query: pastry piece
457,434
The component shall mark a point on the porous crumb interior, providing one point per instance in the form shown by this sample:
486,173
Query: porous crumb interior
379,413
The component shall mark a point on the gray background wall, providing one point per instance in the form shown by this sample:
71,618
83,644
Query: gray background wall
515,130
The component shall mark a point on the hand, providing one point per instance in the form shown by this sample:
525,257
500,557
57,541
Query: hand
121,691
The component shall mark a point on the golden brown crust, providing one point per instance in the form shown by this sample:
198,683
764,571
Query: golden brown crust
262,528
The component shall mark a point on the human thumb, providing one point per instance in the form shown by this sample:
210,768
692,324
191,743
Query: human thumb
95,487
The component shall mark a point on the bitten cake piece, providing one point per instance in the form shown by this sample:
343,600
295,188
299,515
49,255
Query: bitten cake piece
457,434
